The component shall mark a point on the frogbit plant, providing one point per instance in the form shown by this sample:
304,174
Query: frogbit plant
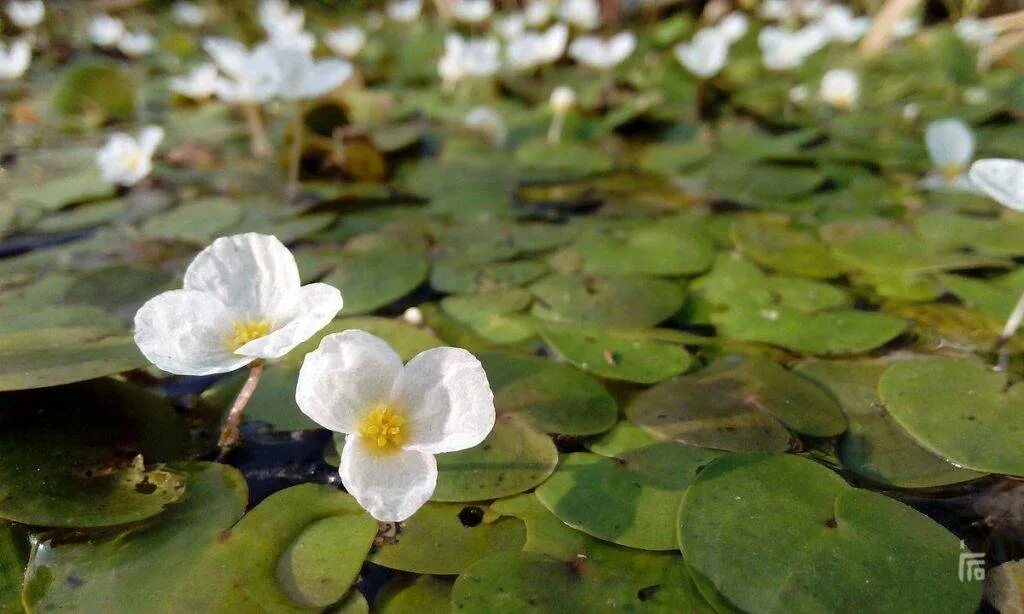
840,88
562,100
14,59
126,160
241,303
105,31
395,418
950,145
25,14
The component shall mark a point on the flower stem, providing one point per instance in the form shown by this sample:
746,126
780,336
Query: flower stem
555,129
296,154
229,435
1009,330
257,134
700,99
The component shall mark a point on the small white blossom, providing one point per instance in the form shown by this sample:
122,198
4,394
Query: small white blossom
583,14
799,94
603,53
510,26
126,160
732,27
404,11
468,58
911,111
950,144
840,88
533,49
25,14
1002,179
776,10
302,78
241,301
472,11
842,25
188,13
251,76
347,41
975,32
537,13
14,59
705,55
812,9
487,122
395,417
280,19
137,43
907,27
199,84
562,99
786,49
105,31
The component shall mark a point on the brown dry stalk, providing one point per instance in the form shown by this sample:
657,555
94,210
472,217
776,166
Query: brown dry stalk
880,34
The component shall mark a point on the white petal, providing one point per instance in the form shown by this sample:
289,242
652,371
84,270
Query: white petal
325,75
186,332
229,55
447,400
316,306
1002,179
950,143
149,139
390,485
254,275
348,374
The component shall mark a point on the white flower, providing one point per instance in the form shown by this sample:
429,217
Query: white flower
188,13
467,58
840,88
705,55
603,53
135,44
25,13
199,84
776,10
280,19
125,160
395,417
812,9
1002,179
975,95
562,99
302,78
105,31
974,31
510,26
905,28
251,76
911,111
842,25
404,11
950,144
347,41
533,49
487,122
799,94
472,11
732,27
584,14
537,12
786,49
14,59
241,301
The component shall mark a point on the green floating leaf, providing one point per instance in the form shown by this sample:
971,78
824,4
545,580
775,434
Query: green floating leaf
612,300
318,568
51,194
436,541
41,357
199,221
778,533
734,281
95,88
492,315
895,250
644,356
71,463
876,447
456,276
628,492
770,242
377,270
562,160
646,250
739,403
11,569
996,237
959,410
422,594
673,157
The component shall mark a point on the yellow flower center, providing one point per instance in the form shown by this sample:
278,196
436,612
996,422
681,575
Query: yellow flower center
247,330
383,428
951,172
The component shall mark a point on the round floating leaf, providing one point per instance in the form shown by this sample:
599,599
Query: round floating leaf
74,456
491,314
738,403
960,410
423,594
42,357
198,221
876,446
778,533
457,276
895,250
95,89
651,250
612,300
673,157
52,193
12,569
632,355
563,160
377,270
997,237
629,492
771,243
437,541
735,281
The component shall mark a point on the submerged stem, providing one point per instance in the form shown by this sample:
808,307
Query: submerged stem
1009,330
229,434
257,134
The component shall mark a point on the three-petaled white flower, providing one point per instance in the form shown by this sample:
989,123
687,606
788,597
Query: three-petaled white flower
705,55
472,11
467,58
188,13
583,14
241,301
487,122
783,49
532,49
950,145
395,417
137,43
404,11
510,26
346,41
14,59
199,84
25,13
105,31
1002,179
974,31
126,160
537,13
840,87
302,78
732,27
251,76
840,23
603,53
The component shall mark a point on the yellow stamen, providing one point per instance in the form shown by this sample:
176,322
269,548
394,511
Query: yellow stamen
247,330
383,428
951,172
